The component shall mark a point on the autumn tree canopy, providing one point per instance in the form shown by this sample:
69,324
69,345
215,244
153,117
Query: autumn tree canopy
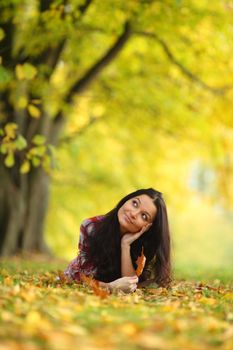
165,63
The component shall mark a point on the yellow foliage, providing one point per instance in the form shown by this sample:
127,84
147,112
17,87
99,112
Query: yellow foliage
34,111
25,167
25,71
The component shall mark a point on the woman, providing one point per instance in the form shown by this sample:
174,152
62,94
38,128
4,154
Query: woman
110,244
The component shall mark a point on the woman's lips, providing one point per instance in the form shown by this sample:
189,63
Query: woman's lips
128,219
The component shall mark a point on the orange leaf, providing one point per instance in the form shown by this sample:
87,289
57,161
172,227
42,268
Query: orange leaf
91,282
141,260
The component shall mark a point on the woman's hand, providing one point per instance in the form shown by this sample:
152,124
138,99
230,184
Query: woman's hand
126,284
129,238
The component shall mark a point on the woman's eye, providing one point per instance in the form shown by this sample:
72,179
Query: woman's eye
135,204
144,216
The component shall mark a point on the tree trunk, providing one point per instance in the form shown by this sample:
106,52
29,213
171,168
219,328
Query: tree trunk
24,197
23,210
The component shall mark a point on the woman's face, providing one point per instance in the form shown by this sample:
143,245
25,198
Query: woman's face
136,213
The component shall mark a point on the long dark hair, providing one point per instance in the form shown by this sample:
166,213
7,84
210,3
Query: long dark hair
105,244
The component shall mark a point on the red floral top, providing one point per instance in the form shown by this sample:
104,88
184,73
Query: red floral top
82,263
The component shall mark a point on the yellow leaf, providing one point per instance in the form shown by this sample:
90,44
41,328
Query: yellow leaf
33,111
150,340
25,167
228,296
168,308
25,71
37,151
6,316
129,329
22,102
9,160
212,323
2,34
229,317
10,130
3,272
19,72
33,317
38,139
180,325
28,295
36,161
29,71
207,301
16,289
8,281
75,329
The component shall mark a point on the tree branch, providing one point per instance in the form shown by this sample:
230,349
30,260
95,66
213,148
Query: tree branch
6,44
51,56
97,68
215,90
45,5
83,8
79,132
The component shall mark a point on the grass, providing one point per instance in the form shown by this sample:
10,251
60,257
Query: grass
40,312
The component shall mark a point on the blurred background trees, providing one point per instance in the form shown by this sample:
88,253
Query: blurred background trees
103,97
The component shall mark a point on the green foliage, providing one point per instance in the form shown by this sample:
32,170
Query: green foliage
38,140
25,72
25,167
5,76
164,77
34,111
39,153
20,143
9,160
2,34
158,113
10,143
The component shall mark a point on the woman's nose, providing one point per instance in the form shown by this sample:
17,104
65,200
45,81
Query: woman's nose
134,213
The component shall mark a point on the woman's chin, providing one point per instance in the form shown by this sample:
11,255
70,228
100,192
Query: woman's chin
133,232
127,229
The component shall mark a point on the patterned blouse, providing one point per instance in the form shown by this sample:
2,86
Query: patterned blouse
82,264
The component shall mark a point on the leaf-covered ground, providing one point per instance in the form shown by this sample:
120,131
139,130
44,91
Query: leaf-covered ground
39,312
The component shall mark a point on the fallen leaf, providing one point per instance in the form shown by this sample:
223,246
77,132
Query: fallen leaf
141,260
95,286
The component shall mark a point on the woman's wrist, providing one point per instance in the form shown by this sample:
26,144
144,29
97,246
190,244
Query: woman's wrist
125,245
106,285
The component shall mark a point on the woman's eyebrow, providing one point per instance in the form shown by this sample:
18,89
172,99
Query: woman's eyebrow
145,211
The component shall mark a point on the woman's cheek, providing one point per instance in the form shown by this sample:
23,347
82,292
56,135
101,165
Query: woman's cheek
139,227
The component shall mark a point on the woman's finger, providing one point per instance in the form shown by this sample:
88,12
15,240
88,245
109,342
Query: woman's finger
132,283
133,288
137,235
134,279
145,228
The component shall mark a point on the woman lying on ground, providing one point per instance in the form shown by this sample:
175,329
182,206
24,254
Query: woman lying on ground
110,244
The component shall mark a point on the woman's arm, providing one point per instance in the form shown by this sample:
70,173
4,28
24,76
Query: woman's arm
105,285
126,284
127,268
